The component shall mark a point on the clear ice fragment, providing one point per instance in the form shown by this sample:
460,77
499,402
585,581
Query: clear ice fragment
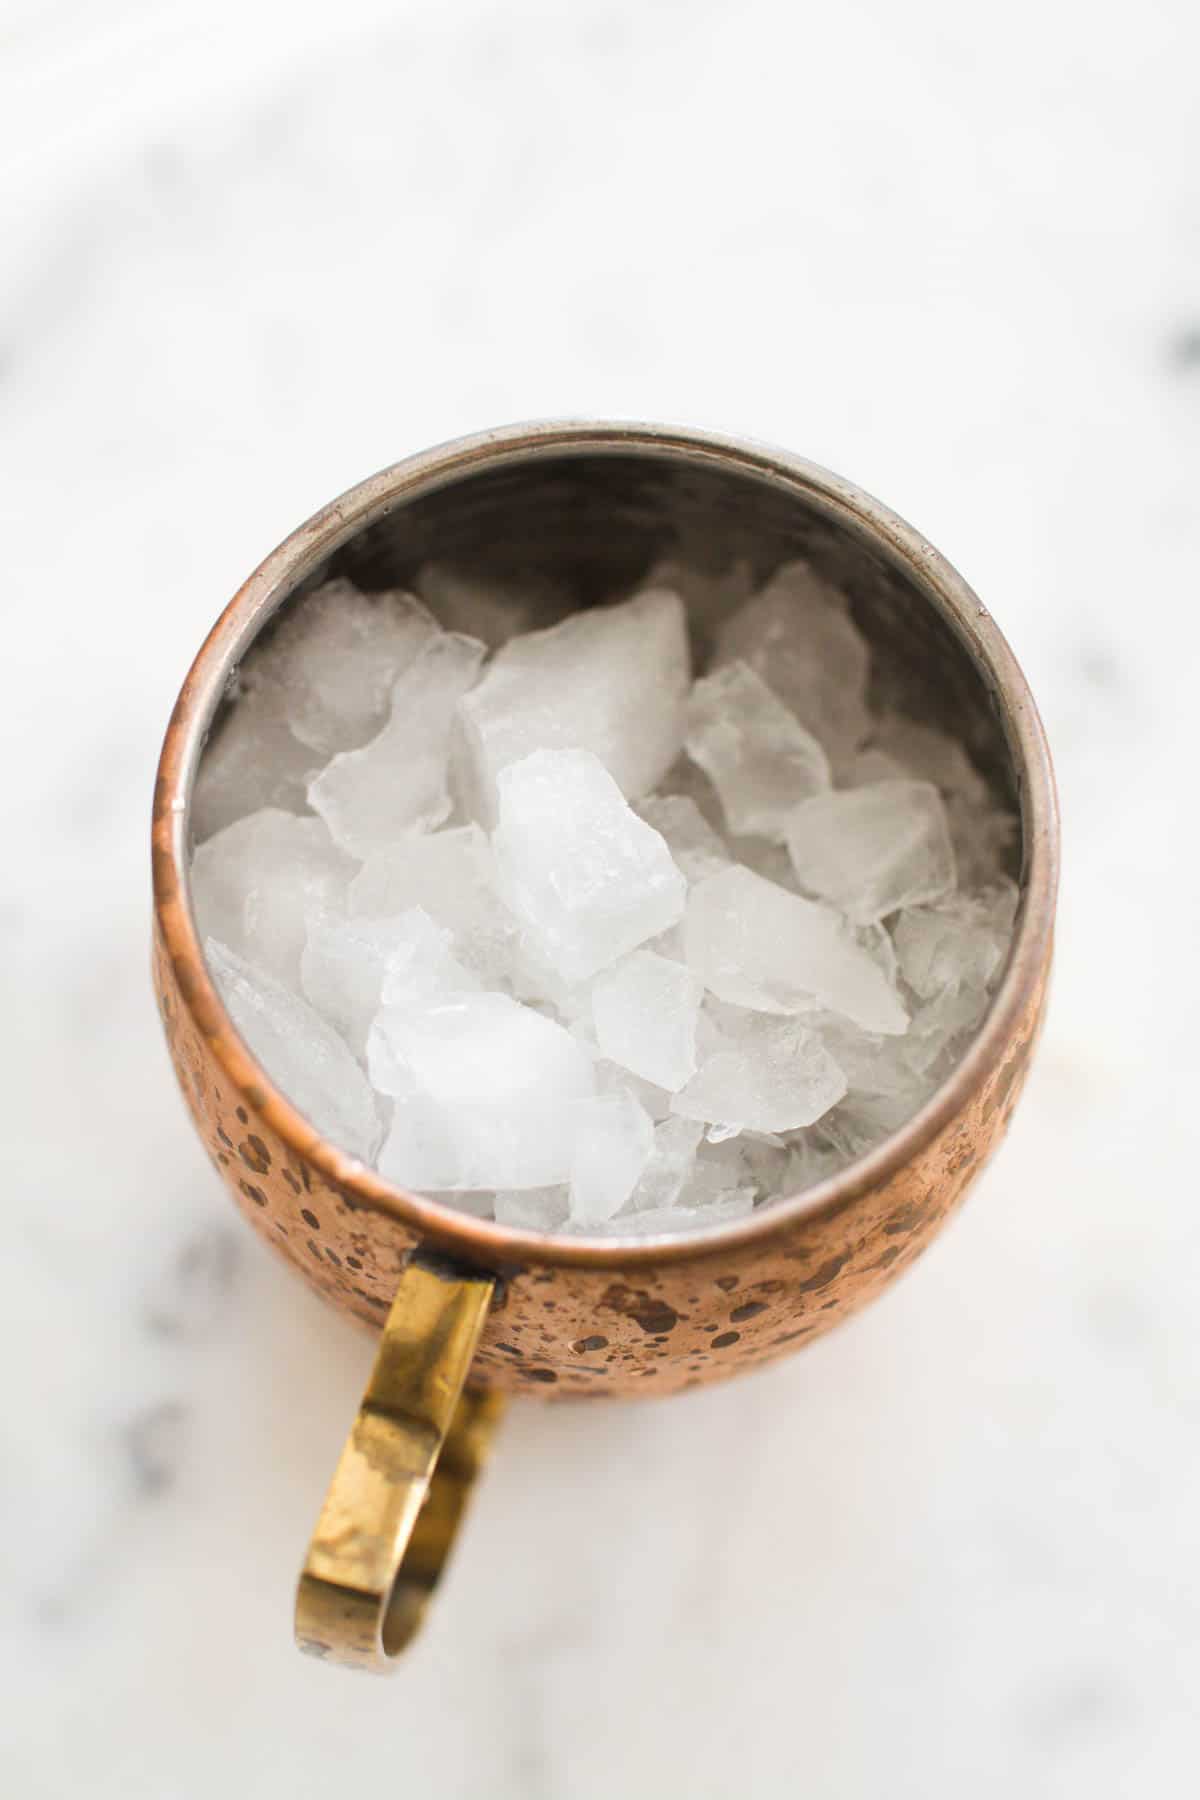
755,752
257,884
399,781
251,763
450,875
613,1141
532,1209
612,680
586,878
872,850
484,1091
798,635
670,1163
645,1009
300,1052
492,607
772,1075
755,945
334,658
960,941
696,848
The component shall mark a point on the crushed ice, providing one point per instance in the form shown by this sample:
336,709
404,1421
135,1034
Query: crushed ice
515,905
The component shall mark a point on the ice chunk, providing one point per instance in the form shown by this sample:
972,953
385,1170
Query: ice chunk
983,836
612,680
451,876
773,1075
300,1052
871,1062
666,1221
612,1078
251,762
709,593
350,967
420,966
399,781
927,754
686,781
613,1141
872,850
532,1209
258,883
754,944
586,877
670,1164
335,657
755,752
940,1028
799,636
341,972
645,1010
812,1158
490,606
873,765
484,1093
695,847
959,942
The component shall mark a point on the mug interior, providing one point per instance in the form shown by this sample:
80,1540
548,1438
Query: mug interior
594,523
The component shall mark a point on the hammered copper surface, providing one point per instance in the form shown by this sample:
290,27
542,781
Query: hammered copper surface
617,1328
584,1317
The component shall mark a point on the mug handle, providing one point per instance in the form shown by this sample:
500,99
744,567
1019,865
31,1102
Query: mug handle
405,1474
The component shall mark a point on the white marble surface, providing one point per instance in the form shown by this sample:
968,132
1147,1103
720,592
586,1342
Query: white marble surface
250,253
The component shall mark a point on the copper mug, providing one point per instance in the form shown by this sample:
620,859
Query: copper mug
468,1310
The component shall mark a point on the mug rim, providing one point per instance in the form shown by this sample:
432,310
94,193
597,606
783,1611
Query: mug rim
271,583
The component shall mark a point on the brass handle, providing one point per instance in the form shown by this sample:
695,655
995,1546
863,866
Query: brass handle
404,1477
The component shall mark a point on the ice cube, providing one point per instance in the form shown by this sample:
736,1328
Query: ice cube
709,593
645,1010
484,1093
299,1051
669,1166
686,781
350,967
490,606
532,1209
939,1028
451,876
613,1141
799,636
421,966
872,850
666,1221
612,1078
927,754
754,944
335,657
960,941
612,680
812,1158
251,762
583,874
696,849
984,836
257,884
871,1062
399,781
772,1075
755,752
873,765
341,972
